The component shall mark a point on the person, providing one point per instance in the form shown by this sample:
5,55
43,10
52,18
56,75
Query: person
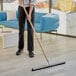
29,7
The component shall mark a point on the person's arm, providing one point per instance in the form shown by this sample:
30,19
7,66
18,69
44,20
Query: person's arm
32,3
30,11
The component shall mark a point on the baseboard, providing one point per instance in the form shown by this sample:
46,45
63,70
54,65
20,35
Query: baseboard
65,35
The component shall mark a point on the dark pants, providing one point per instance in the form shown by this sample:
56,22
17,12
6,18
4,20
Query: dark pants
22,19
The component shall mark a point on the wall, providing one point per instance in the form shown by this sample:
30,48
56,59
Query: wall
10,6
67,22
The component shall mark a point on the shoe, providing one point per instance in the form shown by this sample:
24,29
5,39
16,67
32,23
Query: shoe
31,54
19,52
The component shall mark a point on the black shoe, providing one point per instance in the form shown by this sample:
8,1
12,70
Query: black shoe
31,54
19,52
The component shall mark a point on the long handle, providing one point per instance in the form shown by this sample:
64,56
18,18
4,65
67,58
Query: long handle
37,38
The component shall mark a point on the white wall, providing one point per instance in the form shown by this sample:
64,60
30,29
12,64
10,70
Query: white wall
14,5
10,6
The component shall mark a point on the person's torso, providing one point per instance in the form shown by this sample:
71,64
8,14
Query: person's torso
26,3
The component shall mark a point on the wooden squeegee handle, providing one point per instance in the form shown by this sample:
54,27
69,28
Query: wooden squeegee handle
36,36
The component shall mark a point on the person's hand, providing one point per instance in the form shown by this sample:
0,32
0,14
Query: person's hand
29,17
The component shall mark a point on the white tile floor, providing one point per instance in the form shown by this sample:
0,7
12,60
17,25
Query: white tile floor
57,49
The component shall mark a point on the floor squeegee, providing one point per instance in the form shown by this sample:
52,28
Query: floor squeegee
48,66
